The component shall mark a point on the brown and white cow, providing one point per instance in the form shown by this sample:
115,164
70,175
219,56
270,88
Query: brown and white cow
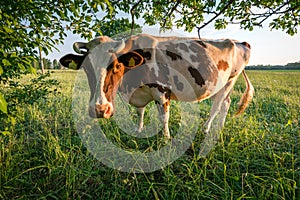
149,68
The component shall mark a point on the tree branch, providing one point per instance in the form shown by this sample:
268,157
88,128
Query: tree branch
132,15
267,15
174,8
212,19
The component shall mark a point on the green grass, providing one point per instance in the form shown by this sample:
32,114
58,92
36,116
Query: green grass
256,157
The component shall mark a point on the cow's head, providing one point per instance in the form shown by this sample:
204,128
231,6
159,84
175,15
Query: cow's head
104,65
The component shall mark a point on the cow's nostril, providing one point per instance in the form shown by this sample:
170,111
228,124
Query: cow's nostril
103,111
107,110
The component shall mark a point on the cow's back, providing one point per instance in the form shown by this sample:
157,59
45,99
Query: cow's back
191,68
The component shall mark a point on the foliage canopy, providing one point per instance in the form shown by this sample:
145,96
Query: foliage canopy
279,14
26,25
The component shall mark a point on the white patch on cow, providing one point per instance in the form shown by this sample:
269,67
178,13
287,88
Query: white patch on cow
154,67
101,99
164,85
99,58
220,84
210,68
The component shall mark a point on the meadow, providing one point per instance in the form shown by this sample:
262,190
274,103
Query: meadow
256,156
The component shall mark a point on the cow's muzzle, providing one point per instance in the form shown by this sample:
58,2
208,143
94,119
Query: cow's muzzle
101,111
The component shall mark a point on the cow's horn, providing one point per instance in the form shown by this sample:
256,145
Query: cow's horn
120,46
77,46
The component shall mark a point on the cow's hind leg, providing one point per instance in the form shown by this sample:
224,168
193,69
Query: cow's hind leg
164,114
224,110
217,103
221,103
213,126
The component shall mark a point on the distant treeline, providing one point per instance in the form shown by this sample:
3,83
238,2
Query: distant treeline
289,66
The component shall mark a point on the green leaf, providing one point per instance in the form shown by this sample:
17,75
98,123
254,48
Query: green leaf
3,104
1,70
8,30
6,62
32,70
21,66
13,121
5,132
290,122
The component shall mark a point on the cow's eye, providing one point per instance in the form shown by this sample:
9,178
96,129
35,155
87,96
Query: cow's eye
117,67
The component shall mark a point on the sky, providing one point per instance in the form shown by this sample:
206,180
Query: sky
267,47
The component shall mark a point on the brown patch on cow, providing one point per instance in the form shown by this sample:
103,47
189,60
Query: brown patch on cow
197,76
204,96
202,43
115,72
246,44
173,56
222,65
173,96
166,106
231,76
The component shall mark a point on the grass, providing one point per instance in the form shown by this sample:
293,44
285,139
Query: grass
256,157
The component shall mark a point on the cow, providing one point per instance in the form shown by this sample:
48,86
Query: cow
160,69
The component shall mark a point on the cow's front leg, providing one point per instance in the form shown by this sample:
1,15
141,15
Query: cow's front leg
140,112
164,114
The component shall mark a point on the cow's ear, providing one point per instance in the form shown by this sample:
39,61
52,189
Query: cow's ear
72,61
131,59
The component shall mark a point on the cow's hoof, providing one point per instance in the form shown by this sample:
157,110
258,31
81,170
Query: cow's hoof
205,129
168,139
138,130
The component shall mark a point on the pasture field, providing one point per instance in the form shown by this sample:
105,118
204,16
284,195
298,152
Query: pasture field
256,157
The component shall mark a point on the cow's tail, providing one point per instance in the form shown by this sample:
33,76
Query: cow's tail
247,96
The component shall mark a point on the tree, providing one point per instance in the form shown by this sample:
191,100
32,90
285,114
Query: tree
47,63
27,25
282,14
118,28
55,64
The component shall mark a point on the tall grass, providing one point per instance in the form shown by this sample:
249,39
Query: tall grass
256,157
